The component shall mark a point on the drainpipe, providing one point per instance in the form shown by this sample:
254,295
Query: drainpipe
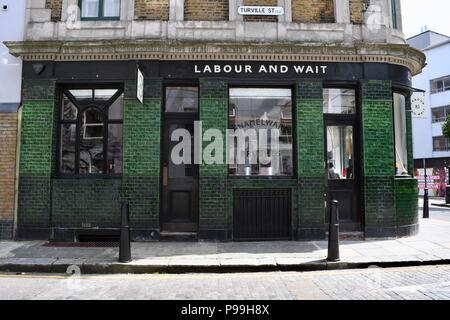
16,187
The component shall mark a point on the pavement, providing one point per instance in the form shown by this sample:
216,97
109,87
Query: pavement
411,283
430,247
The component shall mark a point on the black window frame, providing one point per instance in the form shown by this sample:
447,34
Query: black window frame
100,14
81,108
345,119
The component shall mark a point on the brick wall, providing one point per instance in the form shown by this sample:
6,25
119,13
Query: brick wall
378,158
206,10
271,3
8,132
56,7
313,11
357,9
141,155
37,156
213,178
151,9
310,170
406,206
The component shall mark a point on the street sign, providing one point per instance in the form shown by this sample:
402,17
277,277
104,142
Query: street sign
140,86
260,11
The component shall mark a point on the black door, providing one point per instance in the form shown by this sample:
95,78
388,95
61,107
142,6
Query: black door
179,181
343,171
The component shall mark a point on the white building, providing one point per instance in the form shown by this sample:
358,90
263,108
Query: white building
12,20
429,142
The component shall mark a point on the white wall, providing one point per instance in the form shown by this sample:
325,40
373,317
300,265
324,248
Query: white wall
423,129
12,23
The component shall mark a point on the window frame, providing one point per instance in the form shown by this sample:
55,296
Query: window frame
344,119
442,80
104,110
264,84
446,110
100,14
441,137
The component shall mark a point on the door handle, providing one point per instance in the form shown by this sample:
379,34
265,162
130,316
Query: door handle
164,177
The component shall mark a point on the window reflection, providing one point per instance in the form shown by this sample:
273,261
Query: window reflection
401,150
257,110
91,142
339,101
69,111
181,99
67,148
114,148
340,160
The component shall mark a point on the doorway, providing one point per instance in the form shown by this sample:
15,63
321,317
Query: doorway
342,156
179,205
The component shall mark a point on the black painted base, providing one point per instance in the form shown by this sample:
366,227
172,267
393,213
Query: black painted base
309,234
6,229
25,233
213,234
408,231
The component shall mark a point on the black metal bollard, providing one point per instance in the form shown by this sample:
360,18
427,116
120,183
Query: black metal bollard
125,246
426,205
333,236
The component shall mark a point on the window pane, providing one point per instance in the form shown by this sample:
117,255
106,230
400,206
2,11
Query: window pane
339,101
401,151
447,84
114,148
89,8
115,111
340,152
181,99
69,111
104,94
67,149
438,114
82,94
264,117
91,142
440,144
111,8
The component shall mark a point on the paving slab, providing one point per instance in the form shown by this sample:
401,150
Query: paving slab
430,246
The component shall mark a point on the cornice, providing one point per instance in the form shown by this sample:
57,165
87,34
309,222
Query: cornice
399,54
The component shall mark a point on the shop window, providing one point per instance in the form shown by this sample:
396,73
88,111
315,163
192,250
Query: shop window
261,139
440,85
100,9
441,144
181,99
90,129
339,101
401,147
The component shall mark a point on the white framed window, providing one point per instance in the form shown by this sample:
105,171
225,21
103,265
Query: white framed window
100,9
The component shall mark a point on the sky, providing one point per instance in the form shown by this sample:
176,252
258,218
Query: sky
435,14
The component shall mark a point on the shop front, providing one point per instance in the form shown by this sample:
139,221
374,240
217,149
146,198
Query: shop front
183,147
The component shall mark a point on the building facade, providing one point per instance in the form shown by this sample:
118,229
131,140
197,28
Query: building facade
429,142
112,87
12,21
